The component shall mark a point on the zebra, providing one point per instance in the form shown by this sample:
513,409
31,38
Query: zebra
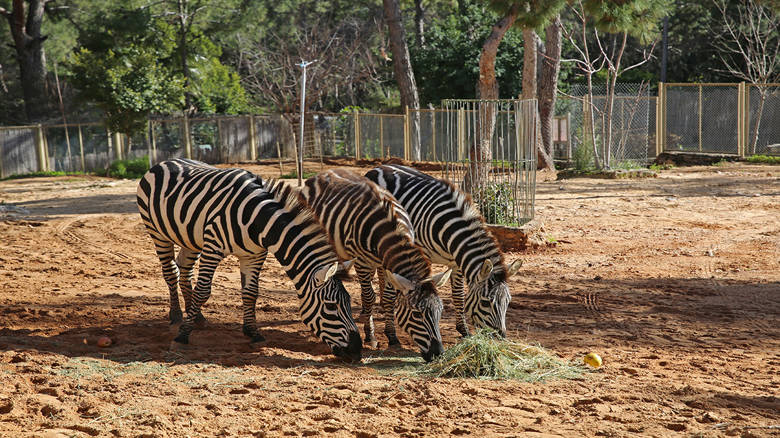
366,224
211,213
453,233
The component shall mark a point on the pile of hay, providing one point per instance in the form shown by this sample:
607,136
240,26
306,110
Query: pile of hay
485,355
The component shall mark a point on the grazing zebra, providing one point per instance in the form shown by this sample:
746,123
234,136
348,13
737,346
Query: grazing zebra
366,224
211,213
452,233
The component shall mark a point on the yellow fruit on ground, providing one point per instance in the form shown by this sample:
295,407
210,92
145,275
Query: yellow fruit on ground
592,359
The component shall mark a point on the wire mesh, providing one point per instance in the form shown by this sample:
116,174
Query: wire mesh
490,152
632,108
764,110
702,118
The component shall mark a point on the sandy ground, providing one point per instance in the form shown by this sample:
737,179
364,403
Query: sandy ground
675,281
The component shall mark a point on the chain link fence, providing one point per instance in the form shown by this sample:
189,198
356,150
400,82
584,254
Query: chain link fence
764,124
629,125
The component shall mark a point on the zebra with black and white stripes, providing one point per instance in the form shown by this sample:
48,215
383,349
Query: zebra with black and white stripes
211,213
366,224
453,233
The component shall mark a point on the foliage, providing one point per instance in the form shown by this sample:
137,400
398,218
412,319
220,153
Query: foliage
294,175
767,159
485,355
448,65
42,174
133,168
582,156
496,203
118,67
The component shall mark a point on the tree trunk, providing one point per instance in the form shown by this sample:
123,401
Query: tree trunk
183,53
759,114
487,89
419,24
404,74
28,42
610,104
548,83
530,43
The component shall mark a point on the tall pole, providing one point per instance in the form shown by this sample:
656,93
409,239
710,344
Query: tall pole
302,65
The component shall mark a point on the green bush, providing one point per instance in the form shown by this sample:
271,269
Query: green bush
496,203
131,169
766,159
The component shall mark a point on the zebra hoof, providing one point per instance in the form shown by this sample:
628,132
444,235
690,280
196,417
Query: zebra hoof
182,339
175,317
370,341
257,338
200,321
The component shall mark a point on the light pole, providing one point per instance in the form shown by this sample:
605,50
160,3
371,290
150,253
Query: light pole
302,65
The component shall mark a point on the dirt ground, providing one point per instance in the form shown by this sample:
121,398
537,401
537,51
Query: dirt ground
674,280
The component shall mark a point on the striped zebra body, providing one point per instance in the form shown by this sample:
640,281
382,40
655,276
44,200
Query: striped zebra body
211,213
449,229
365,223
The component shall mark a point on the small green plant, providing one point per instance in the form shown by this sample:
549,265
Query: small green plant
294,175
496,203
582,157
42,174
765,159
131,169
658,167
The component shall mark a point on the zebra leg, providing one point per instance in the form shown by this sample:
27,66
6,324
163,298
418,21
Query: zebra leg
171,274
186,261
387,301
367,299
458,298
209,259
250,269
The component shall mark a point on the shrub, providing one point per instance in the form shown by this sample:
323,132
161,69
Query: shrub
131,168
496,203
767,159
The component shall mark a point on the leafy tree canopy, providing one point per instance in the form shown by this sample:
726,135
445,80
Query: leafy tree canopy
448,65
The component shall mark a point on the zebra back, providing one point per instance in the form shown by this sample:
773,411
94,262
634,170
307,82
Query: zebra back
366,221
445,220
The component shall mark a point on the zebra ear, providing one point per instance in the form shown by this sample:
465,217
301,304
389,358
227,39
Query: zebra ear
514,267
324,273
440,279
345,266
399,282
484,272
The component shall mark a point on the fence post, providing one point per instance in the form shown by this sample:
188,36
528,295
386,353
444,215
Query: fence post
382,137
407,139
433,134
743,119
41,147
659,102
186,137
701,108
153,141
461,133
357,135
252,140
81,151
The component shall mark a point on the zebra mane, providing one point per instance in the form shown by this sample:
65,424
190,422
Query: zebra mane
470,213
293,202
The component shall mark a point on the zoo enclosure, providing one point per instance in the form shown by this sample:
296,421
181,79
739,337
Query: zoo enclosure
734,119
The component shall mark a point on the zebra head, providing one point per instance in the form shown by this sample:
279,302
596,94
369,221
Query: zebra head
327,311
488,296
418,311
